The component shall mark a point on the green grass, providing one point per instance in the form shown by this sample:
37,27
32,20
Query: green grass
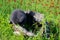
50,8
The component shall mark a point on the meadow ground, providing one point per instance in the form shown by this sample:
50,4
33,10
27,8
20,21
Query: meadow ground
50,8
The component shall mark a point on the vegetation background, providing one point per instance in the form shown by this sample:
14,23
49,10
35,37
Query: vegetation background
50,8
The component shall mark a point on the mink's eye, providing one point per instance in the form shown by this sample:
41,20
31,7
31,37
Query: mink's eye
10,22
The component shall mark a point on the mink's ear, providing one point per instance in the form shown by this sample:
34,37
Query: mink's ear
26,12
31,13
